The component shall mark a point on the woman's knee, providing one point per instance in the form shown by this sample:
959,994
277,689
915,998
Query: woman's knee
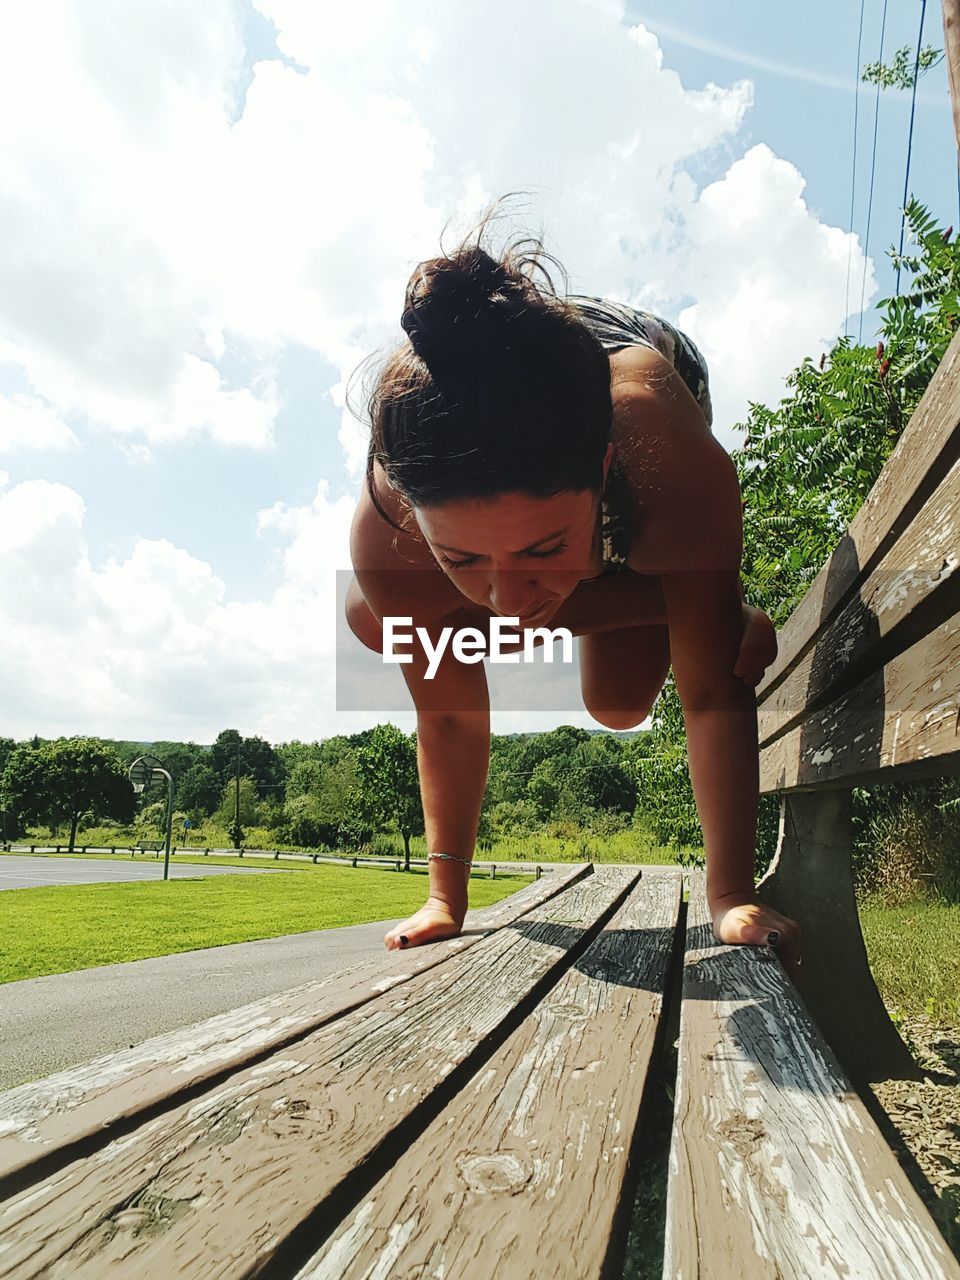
361,619
620,717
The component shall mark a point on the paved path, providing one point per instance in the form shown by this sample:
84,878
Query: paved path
27,872
67,1018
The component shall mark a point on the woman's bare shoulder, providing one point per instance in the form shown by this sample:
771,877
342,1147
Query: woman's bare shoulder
682,483
395,569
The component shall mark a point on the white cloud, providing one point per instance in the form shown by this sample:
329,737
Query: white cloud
154,240
151,645
769,280
29,423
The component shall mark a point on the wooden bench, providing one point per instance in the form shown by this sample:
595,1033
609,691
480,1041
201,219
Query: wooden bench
866,689
474,1108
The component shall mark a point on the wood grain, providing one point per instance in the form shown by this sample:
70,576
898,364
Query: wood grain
776,1168
47,1117
914,588
901,724
928,447
212,1188
540,1135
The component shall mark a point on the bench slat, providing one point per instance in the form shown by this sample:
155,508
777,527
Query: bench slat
913,589
540,1135
49,1116
899,724
776,1167
929,445
214,1186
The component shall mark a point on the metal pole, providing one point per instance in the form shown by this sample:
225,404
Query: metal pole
951,44
236,825
166,856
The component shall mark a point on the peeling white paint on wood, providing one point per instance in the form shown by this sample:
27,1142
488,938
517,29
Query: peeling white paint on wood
922,445
776,1168
260,1172
83,1101
519,1176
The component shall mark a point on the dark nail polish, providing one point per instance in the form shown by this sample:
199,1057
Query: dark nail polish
404,940
773,937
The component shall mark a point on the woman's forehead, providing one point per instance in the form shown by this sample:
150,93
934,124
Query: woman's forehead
508,519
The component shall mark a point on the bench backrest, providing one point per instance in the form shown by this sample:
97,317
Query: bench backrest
866,684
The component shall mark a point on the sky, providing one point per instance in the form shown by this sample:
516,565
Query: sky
208,214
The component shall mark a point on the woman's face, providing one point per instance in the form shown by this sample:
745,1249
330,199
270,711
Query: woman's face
517,555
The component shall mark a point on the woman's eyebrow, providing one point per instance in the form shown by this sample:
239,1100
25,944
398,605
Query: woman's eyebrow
548,537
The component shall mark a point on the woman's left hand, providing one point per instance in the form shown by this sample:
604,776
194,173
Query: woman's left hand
752,922
758,646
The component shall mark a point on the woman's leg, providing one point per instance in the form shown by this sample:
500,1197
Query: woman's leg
621,673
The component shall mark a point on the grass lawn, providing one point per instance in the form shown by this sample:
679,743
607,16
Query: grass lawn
62,928
913,954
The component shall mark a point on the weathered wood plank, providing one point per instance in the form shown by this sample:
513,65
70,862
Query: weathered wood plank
47,1117
902,723
914,588
776,1168
541,1134
928,447
213,1188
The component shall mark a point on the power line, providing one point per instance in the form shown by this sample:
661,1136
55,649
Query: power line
873,174
853,174
913,108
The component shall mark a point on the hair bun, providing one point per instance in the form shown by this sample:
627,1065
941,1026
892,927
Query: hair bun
448,297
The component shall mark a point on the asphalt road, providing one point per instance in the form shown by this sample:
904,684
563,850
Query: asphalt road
50,1023
30,873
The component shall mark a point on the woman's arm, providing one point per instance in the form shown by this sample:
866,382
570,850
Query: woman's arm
453,757
705,619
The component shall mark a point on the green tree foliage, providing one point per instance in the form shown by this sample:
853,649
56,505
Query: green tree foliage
388,785
321,805
898,72
258,760
805,468
226,815
61,781
198,790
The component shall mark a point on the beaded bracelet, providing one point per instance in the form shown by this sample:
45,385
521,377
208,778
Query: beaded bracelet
452,857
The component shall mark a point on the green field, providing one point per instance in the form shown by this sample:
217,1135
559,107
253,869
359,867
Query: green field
62,928
913,954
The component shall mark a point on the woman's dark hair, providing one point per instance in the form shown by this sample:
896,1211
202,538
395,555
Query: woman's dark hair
499,386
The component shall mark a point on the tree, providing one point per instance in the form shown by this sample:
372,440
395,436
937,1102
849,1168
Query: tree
388,790
805,468
61,780
258,760
226,815
199,790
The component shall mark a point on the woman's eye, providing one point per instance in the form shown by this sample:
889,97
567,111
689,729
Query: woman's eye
554,551
537,555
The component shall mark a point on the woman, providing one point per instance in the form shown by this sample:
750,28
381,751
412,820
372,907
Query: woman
551,458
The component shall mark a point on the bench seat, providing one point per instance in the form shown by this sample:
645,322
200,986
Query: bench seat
471,1109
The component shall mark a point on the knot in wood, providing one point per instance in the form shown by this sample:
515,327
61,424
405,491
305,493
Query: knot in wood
499,1171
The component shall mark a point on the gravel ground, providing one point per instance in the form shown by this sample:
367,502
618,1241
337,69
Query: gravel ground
926,1115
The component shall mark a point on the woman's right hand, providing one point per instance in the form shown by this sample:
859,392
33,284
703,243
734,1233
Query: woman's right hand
434,921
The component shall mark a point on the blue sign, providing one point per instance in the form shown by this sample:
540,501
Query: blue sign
186,824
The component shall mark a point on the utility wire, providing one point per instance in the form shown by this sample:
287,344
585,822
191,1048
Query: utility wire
873,174
913,109
853,174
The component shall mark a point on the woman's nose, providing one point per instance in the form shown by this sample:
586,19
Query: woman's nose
511,593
